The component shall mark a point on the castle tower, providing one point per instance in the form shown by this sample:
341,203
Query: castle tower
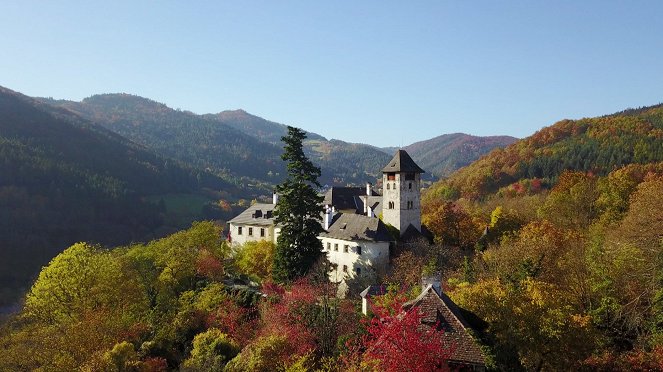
401,192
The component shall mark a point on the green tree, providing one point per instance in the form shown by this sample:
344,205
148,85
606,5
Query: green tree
256,259
297,212
212,349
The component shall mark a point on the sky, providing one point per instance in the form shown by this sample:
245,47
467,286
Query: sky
387,73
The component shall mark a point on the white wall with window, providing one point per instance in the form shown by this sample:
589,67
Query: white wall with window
242,233
353,259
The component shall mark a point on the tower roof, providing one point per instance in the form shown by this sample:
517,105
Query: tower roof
402,162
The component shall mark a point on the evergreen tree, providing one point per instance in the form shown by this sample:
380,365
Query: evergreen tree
298,212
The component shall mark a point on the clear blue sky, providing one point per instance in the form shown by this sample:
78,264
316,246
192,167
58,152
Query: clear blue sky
387,73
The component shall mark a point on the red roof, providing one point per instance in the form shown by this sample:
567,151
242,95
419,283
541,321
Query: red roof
438,307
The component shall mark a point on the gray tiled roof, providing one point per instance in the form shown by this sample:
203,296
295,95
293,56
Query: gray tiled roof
402,162
346,198
258,214
348,226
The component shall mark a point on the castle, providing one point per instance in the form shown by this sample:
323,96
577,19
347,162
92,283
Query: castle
355,239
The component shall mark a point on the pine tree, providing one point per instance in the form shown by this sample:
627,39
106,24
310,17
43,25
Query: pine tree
298,212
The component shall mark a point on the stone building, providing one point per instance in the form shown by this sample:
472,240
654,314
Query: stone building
355,239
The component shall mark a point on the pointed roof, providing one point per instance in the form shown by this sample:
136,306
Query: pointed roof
438,307
402,162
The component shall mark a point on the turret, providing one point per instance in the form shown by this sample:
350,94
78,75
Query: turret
401,192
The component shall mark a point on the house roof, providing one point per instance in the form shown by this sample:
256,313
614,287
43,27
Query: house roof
402,162
349,226
346,198
439,307
259,214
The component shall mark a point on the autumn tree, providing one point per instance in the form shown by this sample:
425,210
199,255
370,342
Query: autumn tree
395,340
298,212
256,259
531,324
450,224
211,351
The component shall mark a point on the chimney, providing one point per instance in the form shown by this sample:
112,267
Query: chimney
432,279
328,217
368,189
275,197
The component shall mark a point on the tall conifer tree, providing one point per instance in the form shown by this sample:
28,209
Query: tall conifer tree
298,212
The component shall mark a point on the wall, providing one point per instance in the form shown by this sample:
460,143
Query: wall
238,239
373,260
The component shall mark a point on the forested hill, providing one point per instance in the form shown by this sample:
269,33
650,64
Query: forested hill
596,145
262,129
63,180
202,141
239,146
341,162
445,154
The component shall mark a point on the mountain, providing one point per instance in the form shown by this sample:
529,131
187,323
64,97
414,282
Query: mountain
444,154
597,145
255,126
439,156
199,140
341,162
64,179
239,146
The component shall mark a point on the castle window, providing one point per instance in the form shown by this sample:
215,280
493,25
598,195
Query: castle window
336,247
262,232
410,204
358,250
346,248
391,176
388,187
409,185
328,246
358,270
345,268
239,230
391,205
250,231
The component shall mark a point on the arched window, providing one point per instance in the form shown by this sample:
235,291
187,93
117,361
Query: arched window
391,205
388,187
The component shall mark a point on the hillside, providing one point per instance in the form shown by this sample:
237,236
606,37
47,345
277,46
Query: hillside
264,130
341,162
242,148
444,154
596,145
201,141
63,180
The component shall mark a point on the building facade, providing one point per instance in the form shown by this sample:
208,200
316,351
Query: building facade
355,239
401,193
